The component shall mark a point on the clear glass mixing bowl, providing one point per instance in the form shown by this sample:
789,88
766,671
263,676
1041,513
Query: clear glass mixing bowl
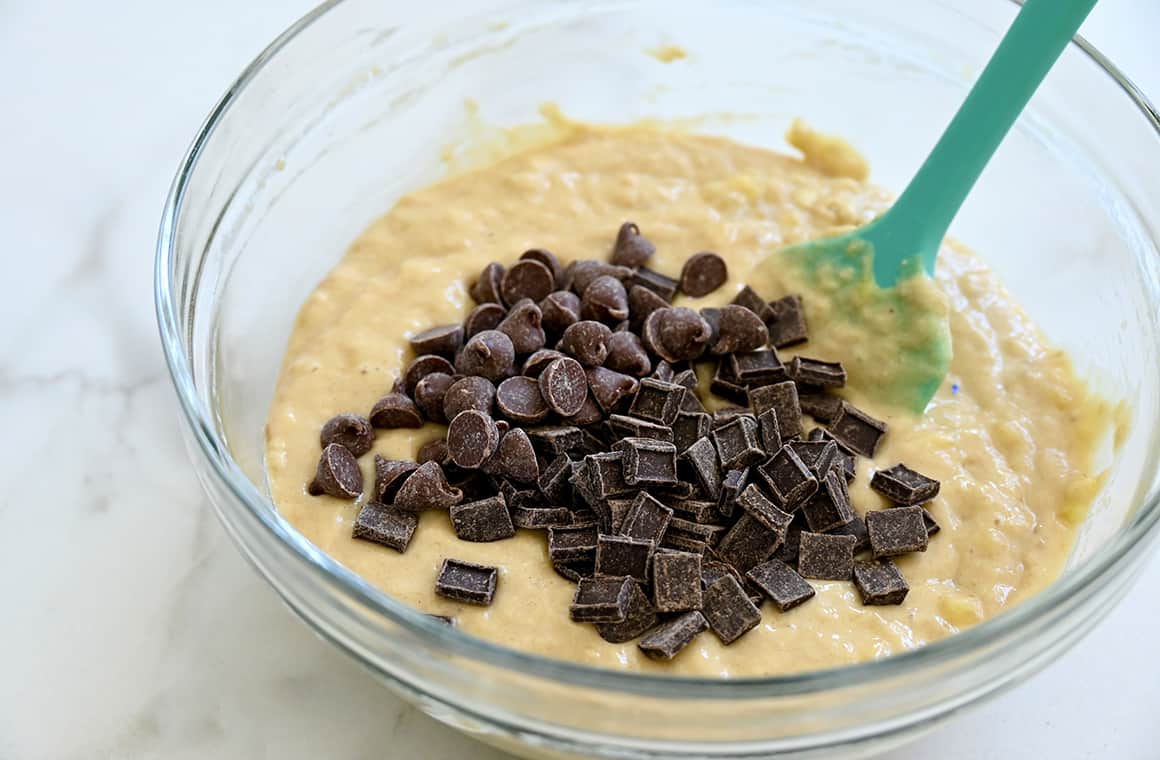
356,104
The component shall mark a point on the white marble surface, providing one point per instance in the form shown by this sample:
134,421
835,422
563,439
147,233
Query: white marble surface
130,627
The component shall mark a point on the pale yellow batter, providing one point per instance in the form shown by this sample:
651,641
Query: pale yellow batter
1013,447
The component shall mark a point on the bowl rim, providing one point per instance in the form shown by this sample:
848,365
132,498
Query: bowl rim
1118,553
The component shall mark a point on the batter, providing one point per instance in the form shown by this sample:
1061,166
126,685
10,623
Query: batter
1011,435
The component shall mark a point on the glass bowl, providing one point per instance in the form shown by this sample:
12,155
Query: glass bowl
358,103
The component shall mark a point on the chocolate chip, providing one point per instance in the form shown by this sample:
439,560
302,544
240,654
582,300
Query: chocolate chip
389,475
468,393
433,451
896,531
676,334
641,303
559,310
662,285
618,556
564,386
395,410
467,582
519,399
701,459
856,430
902,485
523,325
789,479
483,520
728,611
702,274
580,274
536,363
829,508
601,600
427,488
816,372
350,430
486,316
338,474
631,249
688,427
647,462
787,326
555,439
676,581
604,300
737,443
819,456
626,354
443,341
657,401
486,288
668,639
609,387
748,298
572,543
514,458
386,525
538,518
732,485
639,617
627,426
606,474
526,279
880,582
696,510
770,432
781,583
782,398
856,528
587,342
748,543
754,502
726,385
422,366
820,405
826,556
489,354
548,259
429,395
590,413
472,437
736,329
647,519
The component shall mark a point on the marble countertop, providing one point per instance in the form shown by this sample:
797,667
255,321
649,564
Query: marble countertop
131,627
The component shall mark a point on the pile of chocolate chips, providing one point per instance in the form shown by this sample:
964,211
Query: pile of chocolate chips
571,401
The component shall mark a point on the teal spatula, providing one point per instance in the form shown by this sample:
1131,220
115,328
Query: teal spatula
866,272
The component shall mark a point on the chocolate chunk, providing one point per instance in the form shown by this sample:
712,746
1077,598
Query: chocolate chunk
829,507
615,512
668,639
555,439
701,459
826,556
621,555
489,354
662,285
559,310
820,405
676,581
554,481
604,300
932,525
736,329
675,541
856,528
726,385
590,413
709,534
631,249
748,543
896,531
819,456
856,430
519,399
732,485
422,366
564,386
609,387
389,475
338,474
639,617
713,570
788,551
472,438
580,274
657,401
691,403
601,600
577,570
686,378
737,443
754,502
586,342
728,610
688,427
538,518
467,582
902,485
548,259
880,582
386,525
782,398
789,479
514,458
697,510
433,451
626,354
483,520
427,488
486,288
816,372
526,279
756,368
486,316
641,303
517,494
395,410
781,583
748,298
443,341
572,543
606,474
844,459
770,431
647,462
676,333
702,274
468,393
627,426
523,325
354,432
647,519
787,326
664,371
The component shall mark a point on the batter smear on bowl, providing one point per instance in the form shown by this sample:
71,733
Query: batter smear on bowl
626,444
